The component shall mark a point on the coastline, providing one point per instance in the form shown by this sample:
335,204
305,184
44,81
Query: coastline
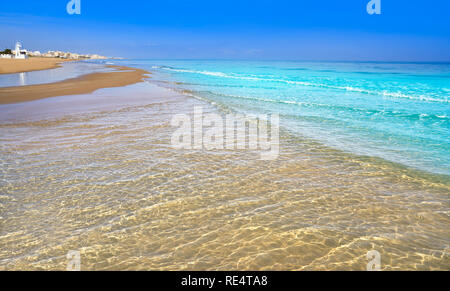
122,76
123,202
14,66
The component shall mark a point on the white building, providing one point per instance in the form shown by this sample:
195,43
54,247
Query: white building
34,54
4,56
20,53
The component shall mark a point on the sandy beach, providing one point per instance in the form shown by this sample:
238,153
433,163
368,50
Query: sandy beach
12,66
122,76
227,145
97,173
103,179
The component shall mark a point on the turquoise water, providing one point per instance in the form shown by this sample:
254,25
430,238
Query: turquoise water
396,111
97,173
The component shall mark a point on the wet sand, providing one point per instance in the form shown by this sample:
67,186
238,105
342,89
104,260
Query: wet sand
86,84
12,66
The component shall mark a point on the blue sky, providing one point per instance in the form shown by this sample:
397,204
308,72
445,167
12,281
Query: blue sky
266,29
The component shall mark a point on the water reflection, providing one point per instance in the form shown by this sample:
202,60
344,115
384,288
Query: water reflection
22,79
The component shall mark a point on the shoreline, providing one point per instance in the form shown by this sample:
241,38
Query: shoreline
352,203
85,84
13,66
313,200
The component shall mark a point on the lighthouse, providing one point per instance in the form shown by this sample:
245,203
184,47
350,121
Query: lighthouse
19,53
17,50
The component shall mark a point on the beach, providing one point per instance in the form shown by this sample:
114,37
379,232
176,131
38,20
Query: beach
11,66
94,171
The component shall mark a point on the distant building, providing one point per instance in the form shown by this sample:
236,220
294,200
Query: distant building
20,53
34,54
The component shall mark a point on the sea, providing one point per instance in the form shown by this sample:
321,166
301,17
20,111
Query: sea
363,169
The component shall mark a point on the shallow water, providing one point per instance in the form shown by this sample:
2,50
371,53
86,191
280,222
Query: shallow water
396,111
66,71
97,174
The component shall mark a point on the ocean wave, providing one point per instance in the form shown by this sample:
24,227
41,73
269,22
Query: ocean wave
384,93
368,112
